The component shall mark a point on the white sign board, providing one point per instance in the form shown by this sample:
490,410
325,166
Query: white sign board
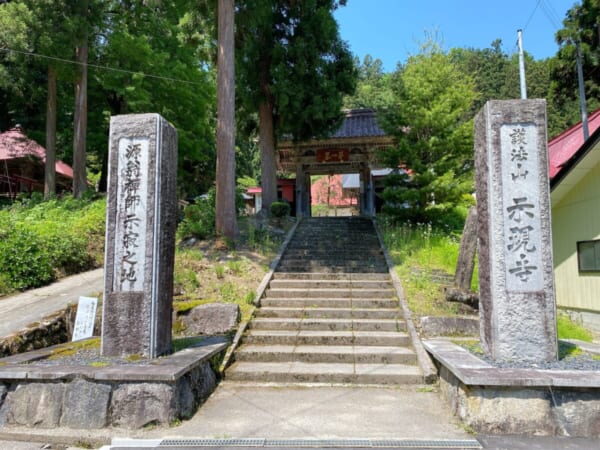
85,318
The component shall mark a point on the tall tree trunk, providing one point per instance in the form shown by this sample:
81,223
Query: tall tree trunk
226,214
50,171
266,142
80,122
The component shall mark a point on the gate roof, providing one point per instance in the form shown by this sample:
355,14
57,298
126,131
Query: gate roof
351,147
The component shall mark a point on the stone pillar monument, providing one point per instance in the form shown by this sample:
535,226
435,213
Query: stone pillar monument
141,218
516,277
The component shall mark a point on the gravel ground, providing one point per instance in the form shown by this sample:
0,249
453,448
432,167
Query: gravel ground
87,357
580,361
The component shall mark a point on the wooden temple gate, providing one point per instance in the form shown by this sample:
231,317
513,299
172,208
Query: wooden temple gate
351,149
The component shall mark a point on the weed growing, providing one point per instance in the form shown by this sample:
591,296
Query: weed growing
568,329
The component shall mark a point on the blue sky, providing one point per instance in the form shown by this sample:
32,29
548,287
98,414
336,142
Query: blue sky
391,29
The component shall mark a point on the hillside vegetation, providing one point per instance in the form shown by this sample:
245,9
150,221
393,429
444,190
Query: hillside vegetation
43,241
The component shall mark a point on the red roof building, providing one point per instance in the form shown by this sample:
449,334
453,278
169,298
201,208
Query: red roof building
22,162
564,146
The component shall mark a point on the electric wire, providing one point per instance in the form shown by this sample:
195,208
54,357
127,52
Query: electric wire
550,14
98,66
532,14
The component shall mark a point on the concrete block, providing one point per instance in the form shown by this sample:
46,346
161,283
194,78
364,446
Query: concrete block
578,412
212,318
85,404
35,405
136,405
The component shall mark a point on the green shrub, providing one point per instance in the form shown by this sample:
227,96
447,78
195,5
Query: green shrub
280,209
25,260
198,221
42,240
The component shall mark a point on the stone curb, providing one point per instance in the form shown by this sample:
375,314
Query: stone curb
169,368
430,374
471,370
260,292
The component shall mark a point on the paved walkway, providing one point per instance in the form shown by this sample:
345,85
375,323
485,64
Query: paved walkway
253,411
18,311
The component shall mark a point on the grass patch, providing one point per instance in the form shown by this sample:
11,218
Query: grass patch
179,344
423,257
210,272
71,348
568,329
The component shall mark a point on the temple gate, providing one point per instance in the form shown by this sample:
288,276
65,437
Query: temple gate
351,149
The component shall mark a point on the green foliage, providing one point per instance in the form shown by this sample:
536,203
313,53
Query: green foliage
40,241
420,252
431,119
290,55
568,329
199,217
373,88
198,221
579,26
280,209
25,260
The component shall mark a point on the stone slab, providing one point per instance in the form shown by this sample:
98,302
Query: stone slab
141,219
211,319
471,370
516,273
168,368
449,326
85,405
86,397
517,401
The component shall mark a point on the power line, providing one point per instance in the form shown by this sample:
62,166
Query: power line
550,13
97,66
532,14
548,10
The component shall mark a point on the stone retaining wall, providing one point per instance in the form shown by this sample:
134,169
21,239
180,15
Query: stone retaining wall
52,330
129,396
517,401
531,411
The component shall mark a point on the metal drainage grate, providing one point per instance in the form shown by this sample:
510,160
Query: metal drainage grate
318,443
465,444
428,443
212,443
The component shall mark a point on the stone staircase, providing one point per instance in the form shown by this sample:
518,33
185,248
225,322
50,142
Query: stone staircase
330,314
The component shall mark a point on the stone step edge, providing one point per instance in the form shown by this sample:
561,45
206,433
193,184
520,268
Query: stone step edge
407,374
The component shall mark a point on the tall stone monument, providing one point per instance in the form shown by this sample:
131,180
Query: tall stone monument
140,236
516,278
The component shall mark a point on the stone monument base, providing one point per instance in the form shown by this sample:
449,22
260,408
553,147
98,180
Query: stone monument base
517,401
86,397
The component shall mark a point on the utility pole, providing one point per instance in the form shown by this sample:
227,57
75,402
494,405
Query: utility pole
584,118
521,64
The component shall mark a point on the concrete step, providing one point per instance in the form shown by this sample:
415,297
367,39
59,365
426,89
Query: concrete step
366,338
331,276
317,267
300,372
331,293
344,246
330,284
293,324
330,313
350,260
314,302
349,354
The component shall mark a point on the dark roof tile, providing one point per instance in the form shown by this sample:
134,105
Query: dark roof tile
359,123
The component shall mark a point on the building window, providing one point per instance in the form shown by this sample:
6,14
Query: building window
588,256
